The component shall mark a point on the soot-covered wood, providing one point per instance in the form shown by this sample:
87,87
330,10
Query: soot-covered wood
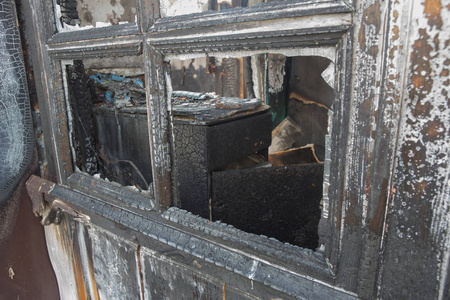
80,100
279,202
202,149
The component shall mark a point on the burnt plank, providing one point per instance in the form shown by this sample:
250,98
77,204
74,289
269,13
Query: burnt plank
278,202
297,156
284,135
80,101
156,72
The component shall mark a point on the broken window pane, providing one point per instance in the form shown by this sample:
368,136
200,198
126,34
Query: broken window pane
257,169
83,14
108,117
170,8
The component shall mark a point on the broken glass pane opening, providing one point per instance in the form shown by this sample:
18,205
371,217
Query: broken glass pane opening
249,135
83,14
170,8
109,125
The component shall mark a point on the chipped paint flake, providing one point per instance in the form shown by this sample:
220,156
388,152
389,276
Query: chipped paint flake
11,273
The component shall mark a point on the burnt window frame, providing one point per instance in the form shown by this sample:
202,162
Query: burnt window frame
141,38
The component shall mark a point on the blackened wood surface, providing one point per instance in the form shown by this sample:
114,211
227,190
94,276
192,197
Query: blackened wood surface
417,241
277,202
40,26
80,101
191,157
156,72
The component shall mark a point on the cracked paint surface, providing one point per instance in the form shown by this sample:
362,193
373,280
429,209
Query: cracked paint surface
419,218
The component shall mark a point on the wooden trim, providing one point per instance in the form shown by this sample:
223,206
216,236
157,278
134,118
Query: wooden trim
276,39
95,33
53,115
261,12
158,122
105,47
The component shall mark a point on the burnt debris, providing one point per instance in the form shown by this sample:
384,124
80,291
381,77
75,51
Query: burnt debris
110,126
80,100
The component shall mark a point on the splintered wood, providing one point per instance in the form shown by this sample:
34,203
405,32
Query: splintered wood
300,137
296,156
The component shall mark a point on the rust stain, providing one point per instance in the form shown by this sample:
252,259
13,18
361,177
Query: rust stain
64,143
421,72
422,109
376,223
241,78
420,188
432,10
392,55
141,275
36,188
92,278
433,130
81,287
395,16
396,31
373,51
371,16
362,37
164,191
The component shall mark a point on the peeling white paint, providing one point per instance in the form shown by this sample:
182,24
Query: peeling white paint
327,52
329,74
276,73
436,152
170,8
279,26
114,274
61,262
91,289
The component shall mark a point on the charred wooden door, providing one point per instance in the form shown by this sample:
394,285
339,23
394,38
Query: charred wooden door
384,221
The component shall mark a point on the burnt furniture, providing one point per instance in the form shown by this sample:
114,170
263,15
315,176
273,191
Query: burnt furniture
207,140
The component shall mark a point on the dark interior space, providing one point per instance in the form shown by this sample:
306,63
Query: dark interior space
276,189
110,125
249,135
